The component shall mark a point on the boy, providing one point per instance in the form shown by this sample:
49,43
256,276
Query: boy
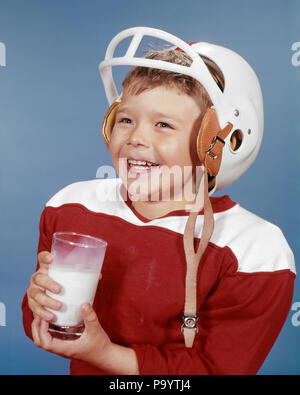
158,313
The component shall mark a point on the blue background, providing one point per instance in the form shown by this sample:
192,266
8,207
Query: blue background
52,103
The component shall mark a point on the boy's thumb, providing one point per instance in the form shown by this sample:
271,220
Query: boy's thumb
90,318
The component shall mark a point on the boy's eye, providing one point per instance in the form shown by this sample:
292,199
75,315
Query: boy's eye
124,120
163,125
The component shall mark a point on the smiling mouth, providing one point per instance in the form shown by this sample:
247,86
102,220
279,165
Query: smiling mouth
140,164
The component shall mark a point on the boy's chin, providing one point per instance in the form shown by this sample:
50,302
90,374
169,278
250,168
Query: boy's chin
141,191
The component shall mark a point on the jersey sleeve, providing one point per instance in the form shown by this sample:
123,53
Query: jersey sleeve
238,325
43,245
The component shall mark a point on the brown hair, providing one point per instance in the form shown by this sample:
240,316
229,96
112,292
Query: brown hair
141,78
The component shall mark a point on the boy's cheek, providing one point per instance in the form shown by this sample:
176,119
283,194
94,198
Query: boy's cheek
114,156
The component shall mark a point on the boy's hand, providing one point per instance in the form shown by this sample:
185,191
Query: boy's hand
92,347
39,283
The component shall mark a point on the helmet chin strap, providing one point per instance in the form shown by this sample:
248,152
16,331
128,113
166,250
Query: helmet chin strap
190,315
210,143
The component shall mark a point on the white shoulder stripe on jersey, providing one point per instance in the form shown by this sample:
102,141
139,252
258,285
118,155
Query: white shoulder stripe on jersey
258,244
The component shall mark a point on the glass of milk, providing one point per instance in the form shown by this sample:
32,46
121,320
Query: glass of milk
76,267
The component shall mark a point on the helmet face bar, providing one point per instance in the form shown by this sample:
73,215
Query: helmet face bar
197,70
240,104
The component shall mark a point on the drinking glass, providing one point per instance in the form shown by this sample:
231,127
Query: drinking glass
76,267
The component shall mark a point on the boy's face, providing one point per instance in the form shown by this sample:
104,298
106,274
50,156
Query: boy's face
160,125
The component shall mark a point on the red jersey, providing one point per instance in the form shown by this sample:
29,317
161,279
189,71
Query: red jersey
244,289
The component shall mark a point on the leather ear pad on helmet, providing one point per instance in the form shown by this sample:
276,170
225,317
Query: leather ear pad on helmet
210,142
108,121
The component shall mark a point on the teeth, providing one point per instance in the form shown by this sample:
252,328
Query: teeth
140,162
136,162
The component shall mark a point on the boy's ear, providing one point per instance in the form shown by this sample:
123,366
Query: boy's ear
210,142
108,121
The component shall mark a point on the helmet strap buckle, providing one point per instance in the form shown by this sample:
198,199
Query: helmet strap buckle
213,143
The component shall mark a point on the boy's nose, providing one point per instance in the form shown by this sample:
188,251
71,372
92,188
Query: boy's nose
139,136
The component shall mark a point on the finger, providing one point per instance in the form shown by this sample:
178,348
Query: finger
90,318
44,300
61,347
38,310
42,280
45,337
45,258
35,331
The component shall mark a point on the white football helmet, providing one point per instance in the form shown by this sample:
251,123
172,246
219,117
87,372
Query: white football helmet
240,103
